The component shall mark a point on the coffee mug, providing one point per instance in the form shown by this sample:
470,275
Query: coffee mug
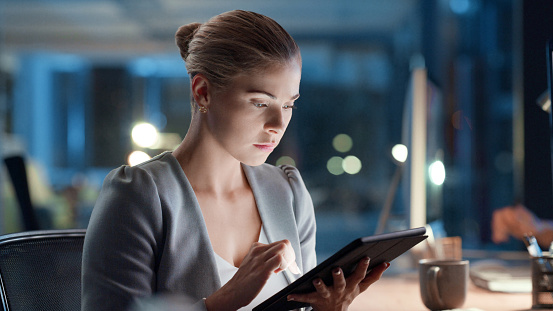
443,283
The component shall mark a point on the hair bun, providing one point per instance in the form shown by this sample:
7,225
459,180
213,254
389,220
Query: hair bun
184,35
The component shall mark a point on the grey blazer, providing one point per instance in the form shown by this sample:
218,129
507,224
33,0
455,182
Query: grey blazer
147,235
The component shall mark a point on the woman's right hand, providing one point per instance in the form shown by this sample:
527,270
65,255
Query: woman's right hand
260,263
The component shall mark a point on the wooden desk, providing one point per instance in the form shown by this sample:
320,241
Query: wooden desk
397,293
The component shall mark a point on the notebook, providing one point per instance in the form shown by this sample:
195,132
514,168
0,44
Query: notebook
498,276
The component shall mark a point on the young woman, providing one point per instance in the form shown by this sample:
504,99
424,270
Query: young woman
211,221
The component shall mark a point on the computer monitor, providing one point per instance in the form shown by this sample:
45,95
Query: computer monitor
423,136
547,106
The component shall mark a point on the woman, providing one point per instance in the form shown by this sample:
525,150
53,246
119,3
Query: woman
211,221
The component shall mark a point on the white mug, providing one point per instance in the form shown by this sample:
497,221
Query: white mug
443,283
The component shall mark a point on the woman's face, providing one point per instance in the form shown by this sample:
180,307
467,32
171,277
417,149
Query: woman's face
249,117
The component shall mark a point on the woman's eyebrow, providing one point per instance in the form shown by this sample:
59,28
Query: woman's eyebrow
263,92
271,95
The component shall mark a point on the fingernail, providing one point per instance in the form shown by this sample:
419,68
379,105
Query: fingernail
337,271
294,268
317,282
290,298
367,260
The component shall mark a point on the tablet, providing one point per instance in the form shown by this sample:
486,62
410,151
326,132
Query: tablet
379,248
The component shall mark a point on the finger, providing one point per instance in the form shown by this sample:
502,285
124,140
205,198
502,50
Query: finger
290,257
321,288
373,276
307,298
320,291
257,245
339,279
360,271
283,263
284,247
293,267
276,248
502,223
289,253
277,263
499,233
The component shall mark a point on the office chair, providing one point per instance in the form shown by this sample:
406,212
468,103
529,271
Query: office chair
41,270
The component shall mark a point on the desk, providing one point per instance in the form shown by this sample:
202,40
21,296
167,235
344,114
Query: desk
401,292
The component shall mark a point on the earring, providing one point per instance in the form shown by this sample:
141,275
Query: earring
202,109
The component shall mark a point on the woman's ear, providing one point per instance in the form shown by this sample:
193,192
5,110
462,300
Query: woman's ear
200,90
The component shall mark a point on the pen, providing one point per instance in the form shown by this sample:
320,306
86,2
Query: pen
532,245
535,251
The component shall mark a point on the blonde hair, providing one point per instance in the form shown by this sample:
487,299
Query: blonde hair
232,43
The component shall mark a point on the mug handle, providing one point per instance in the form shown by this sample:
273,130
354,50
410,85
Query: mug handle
432,285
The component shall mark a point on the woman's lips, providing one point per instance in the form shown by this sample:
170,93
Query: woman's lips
266,147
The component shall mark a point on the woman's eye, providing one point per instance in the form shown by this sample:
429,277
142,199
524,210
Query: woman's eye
260,105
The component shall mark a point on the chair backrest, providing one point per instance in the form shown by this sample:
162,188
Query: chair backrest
41,270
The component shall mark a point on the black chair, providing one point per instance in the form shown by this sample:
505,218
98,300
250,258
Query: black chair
41,270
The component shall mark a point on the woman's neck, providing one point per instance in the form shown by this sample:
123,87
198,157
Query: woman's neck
207,169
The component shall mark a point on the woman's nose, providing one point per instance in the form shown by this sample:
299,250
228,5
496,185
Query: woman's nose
275,123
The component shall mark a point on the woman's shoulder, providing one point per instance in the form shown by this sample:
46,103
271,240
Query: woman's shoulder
156,170
140,191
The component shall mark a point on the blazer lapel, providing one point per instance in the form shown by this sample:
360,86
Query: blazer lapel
275,204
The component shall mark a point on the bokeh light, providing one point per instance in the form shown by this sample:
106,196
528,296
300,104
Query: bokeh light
436,172
334,166
400,153
144,135
503,162
137,157
342,143
459,6
351,164
285,160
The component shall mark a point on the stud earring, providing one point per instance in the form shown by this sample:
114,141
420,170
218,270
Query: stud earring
202,109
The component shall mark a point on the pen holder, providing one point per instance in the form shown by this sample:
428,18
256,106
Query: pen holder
542,282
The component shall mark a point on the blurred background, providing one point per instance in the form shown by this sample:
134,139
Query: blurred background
77,76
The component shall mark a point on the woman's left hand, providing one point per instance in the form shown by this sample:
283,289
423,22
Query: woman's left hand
340,295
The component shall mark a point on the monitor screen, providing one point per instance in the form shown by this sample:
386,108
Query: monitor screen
549,49
422,130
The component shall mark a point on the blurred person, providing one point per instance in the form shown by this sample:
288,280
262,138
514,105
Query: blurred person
517,221
210,220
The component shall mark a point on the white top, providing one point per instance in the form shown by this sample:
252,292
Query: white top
275,283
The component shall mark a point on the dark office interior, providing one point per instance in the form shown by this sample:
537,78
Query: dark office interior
76,76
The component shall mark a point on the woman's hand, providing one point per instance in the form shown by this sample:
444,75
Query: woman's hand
517,221
341,294
260,263
513,221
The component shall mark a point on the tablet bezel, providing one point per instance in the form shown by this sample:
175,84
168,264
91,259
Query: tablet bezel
353,252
